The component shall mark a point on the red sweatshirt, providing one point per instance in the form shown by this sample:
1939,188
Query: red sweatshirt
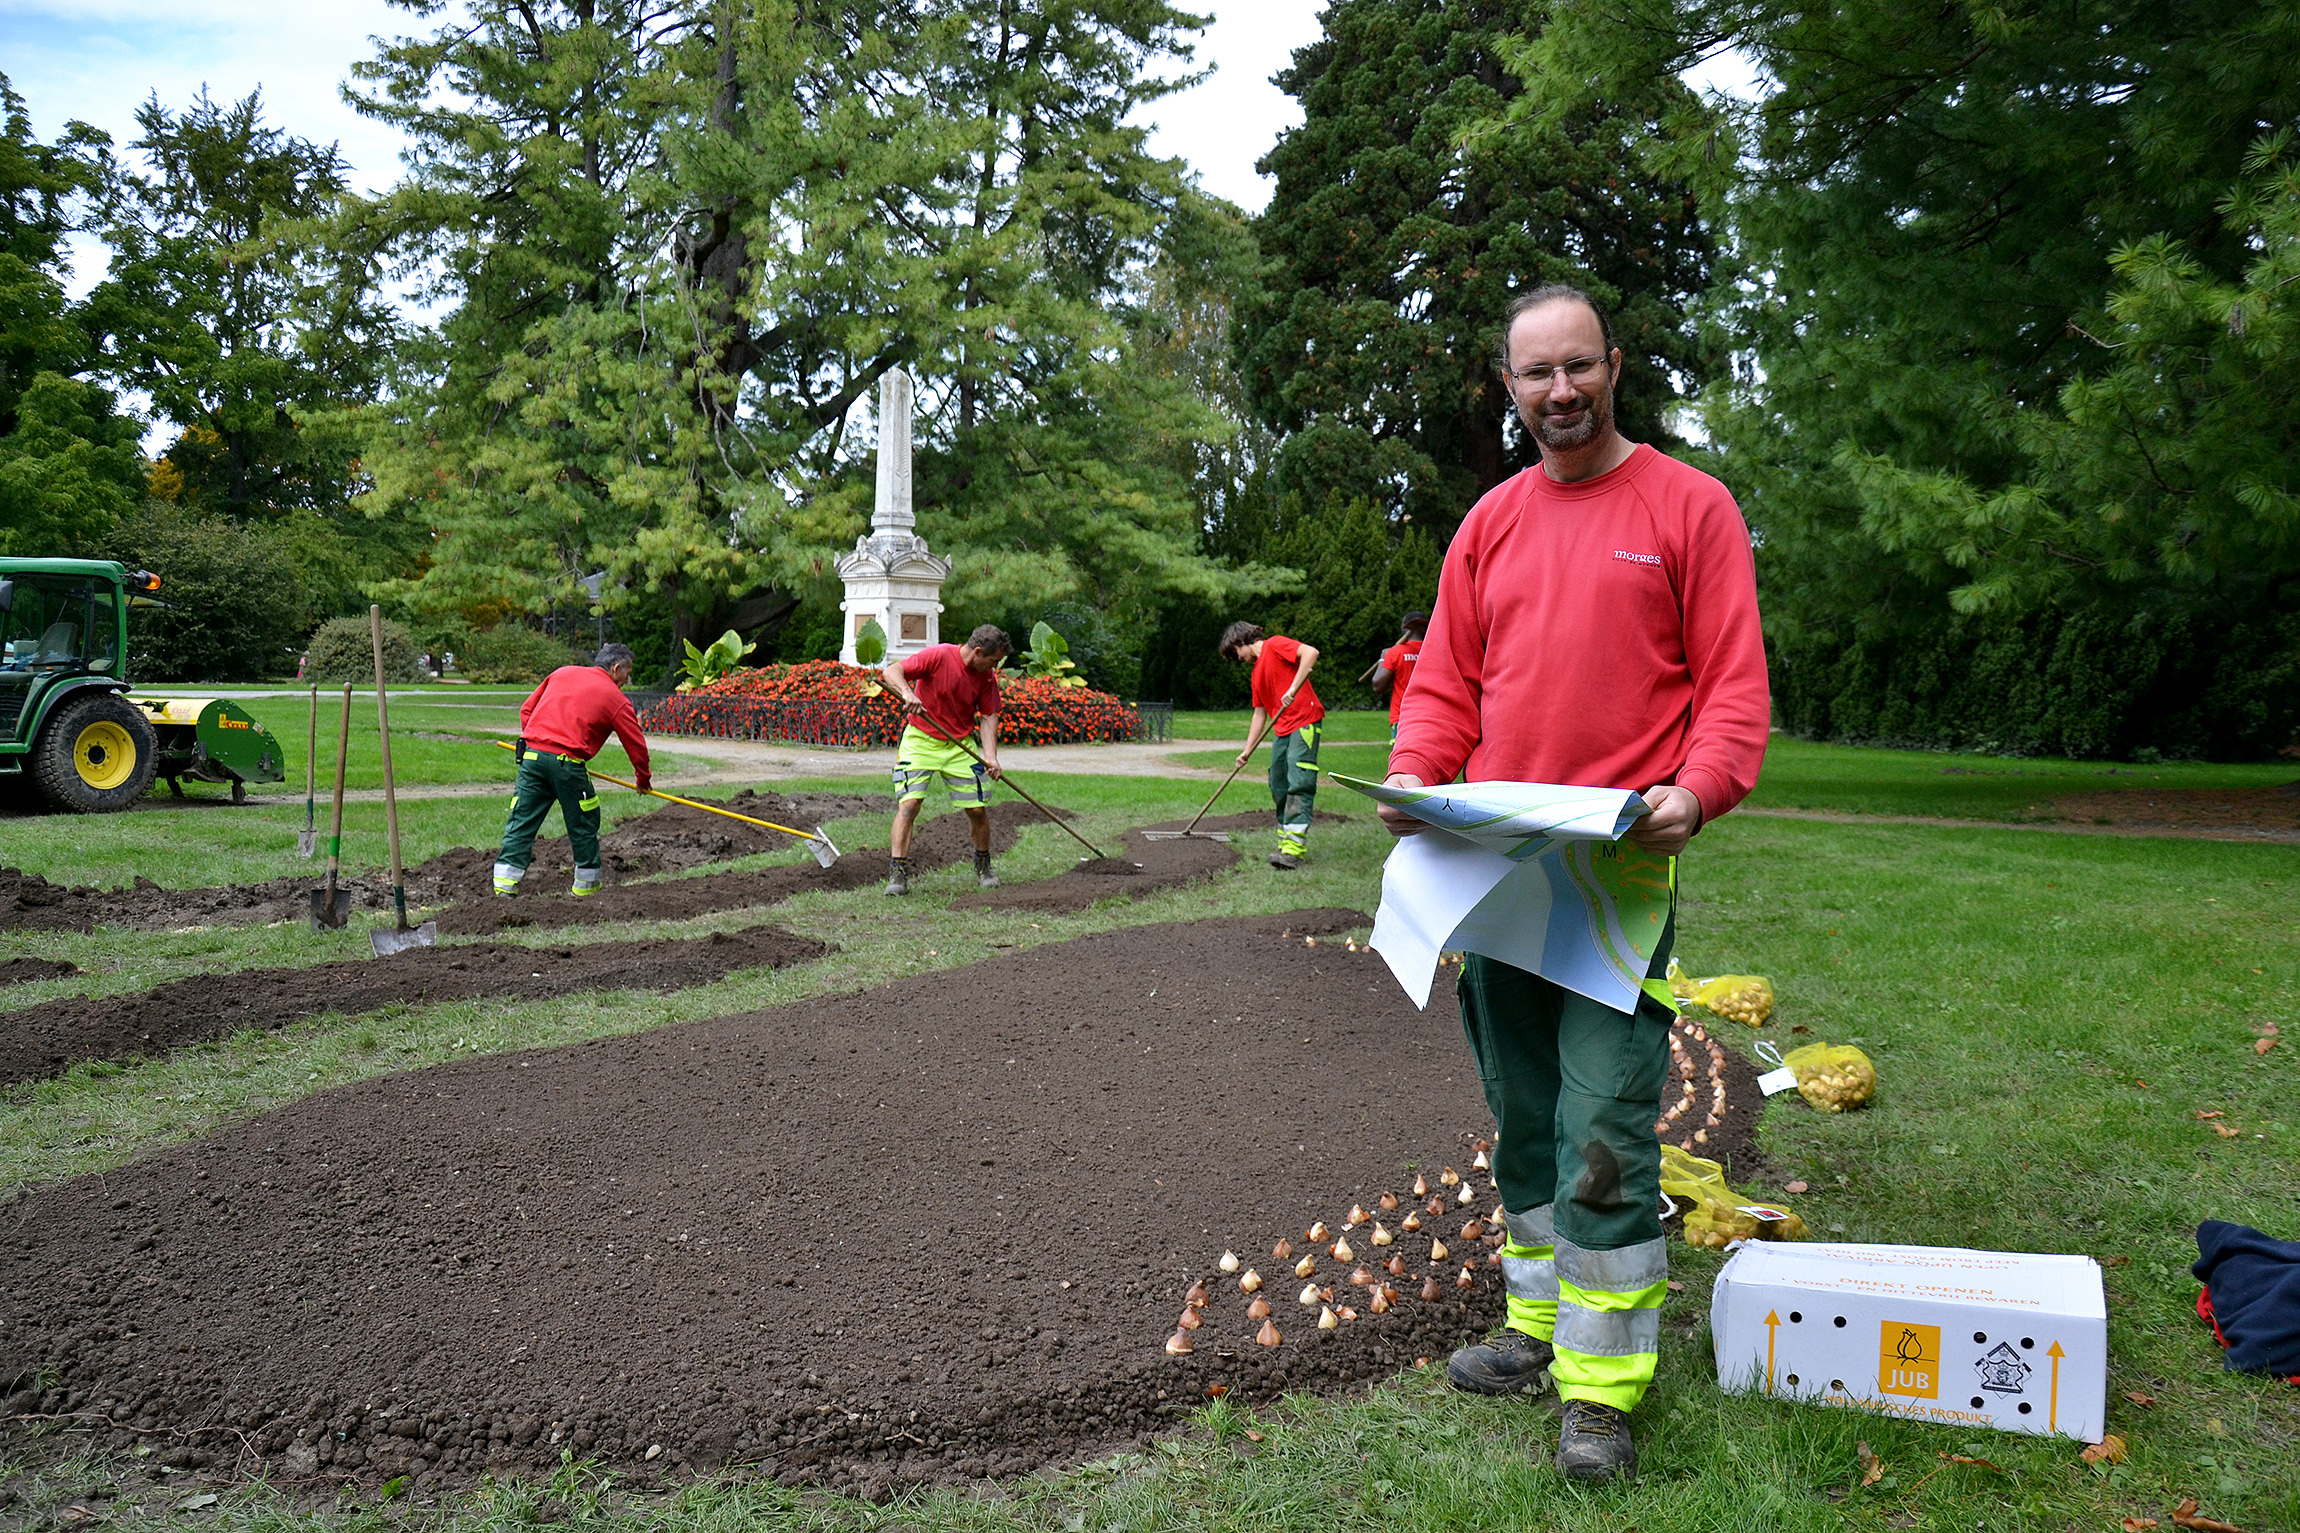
573,712
1602,634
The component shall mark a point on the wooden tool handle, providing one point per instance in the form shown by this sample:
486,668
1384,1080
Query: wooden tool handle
383,734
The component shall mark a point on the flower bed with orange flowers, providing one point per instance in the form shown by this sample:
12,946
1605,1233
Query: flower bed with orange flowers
823,702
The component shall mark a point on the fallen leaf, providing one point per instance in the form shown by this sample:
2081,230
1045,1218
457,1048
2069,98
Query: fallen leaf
1800,1028
2138,1524
2115,1261
2137,1398
1798,1187
75,1515
2225,1132
1216,1391
1253,1436
2137,1081
2215,1113
1675,1286
195,1503
1872,1467
1966,1458
2109,1450
2184,1516
2263,1045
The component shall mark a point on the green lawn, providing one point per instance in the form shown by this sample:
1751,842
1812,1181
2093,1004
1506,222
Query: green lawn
2047,1013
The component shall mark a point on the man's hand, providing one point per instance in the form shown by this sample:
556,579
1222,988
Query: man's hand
1675,818
990,765
1395,820
646,782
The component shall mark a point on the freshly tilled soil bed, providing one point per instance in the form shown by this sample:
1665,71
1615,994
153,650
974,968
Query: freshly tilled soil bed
937,843
50,1037
23,971
935,1230
667,840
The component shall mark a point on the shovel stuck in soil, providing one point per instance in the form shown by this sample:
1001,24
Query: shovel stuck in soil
1192,829
329,904
818,840
402,937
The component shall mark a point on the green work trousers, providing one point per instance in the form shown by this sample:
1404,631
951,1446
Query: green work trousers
544,780
1294,785
1575,1088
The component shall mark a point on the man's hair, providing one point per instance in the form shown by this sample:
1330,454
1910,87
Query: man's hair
611,656
1415,622
1534,298
1236,637
990,639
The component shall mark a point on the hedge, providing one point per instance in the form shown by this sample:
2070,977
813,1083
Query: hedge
822,702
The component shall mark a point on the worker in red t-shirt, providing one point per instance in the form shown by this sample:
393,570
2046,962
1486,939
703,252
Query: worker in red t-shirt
1280,688
1596,624
1395,672
945,686
561,727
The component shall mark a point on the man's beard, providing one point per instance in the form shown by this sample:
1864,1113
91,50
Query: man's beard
1596,415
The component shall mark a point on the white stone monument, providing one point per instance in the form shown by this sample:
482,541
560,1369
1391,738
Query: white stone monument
890,575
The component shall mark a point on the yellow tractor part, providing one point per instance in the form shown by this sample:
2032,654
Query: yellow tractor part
105,755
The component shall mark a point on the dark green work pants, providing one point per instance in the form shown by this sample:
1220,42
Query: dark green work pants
1575,1088
1294,785
544,780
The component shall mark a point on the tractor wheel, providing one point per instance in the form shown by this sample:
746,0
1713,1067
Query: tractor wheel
95,754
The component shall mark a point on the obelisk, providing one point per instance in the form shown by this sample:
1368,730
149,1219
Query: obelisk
890,575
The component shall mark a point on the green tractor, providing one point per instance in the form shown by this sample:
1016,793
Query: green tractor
65,723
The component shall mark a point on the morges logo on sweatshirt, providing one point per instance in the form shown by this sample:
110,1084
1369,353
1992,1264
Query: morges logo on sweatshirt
1625,554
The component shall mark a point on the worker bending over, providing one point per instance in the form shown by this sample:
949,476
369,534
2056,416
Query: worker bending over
945,686
1395,671
1596,624
1280,688
561,727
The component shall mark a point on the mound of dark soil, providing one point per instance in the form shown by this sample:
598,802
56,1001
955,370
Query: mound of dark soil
544,901
22,971
1146,867
667,840
54,1035
2258,811
934,1230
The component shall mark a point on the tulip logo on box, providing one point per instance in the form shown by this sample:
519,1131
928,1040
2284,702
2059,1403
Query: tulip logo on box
1909,1360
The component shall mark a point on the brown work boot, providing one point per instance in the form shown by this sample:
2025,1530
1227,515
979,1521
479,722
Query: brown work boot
1595,1444
898,875
1500,1365
1284,861
983,877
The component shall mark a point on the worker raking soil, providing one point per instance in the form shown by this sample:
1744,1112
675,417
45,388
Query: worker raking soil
561,727
1285,700
946,686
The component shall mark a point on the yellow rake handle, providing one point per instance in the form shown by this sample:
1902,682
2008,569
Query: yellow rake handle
803,835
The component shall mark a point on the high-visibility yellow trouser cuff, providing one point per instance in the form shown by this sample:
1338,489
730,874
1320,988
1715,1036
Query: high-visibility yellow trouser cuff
1608,1335
1529,1268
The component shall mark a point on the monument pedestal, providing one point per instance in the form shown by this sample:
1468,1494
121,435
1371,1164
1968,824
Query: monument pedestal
890,575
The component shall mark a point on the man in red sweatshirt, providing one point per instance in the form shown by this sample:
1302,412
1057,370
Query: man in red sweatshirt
561,727
1596,624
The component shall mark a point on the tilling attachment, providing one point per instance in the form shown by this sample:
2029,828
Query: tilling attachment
400,939
330,907
1181,835
820,844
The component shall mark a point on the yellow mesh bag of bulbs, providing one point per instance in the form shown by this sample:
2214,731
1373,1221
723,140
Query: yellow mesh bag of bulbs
1832,1076
1736,997
1717,1215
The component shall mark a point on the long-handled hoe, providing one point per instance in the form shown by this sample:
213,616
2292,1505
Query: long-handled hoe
1008,779
330,905
818,841
1192,829
400,939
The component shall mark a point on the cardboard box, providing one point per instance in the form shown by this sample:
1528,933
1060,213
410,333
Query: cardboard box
1932,1333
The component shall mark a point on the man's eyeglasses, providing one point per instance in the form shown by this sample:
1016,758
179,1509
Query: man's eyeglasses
1579,370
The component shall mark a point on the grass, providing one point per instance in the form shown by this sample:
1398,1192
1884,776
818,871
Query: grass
2047,1014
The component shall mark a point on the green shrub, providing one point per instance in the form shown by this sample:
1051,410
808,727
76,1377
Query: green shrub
510,653
341,649
235,604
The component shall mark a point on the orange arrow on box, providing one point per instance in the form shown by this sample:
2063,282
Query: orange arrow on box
2052,1408
1772,1329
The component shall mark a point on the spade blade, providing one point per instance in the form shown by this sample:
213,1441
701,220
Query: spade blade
306,842
330,907
387,942
820,844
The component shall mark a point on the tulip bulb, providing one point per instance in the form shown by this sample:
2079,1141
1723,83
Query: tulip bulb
1268,1335
1283,1249
1326,1294
1327,1319
1305,1266
1318,1231
1436,1205
1229,1262
1396,1267
1473,1231
1495,1218
1251,1281
1382,1237
1356,1216
1437,1250
1412,1222
1421,1186
1342,1251
1389,1200
1431,1293
1449,1176
1362,1278
1259,1309
1381,1304
1468,1279
1197,1297
1346,1313
1468,1195
1309,1294
1482,1162
1179,1345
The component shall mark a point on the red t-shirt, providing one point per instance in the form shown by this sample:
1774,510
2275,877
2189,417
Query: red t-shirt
1398,660
953,694
575,710
1273,673
1601,633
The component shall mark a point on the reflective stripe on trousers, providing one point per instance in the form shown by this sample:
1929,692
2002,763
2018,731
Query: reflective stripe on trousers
1529,1268
1608,1334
